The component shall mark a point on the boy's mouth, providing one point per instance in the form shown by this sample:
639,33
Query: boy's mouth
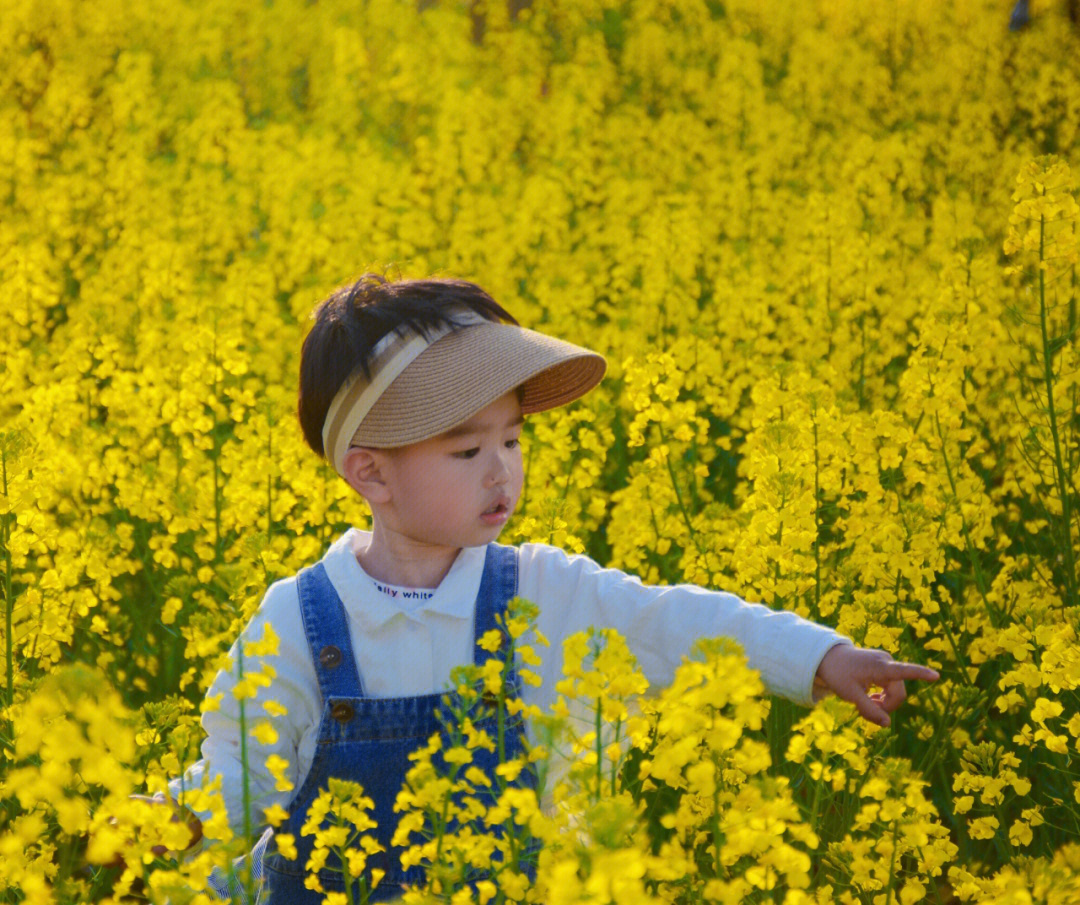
497,514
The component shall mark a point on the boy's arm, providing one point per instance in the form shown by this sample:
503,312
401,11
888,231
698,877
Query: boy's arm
661,624
292,688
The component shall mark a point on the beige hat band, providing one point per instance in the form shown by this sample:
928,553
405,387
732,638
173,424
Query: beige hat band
391,355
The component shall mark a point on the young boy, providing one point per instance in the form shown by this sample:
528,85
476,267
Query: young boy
416,391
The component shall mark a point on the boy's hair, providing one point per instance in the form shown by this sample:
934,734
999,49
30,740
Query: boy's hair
354,318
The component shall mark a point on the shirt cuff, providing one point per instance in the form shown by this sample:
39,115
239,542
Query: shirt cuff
192,779
817,692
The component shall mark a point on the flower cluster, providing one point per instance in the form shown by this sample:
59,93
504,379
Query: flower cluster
469,805
830,252
338,819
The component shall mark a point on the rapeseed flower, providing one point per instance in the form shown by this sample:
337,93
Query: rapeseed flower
781,223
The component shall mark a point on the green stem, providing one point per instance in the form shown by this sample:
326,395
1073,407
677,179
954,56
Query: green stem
218,548
930,752
828,288
614,763
946,624
860,320
269,482
892,862
718,865
9,603
816,805
557,508
440,827
599,756
652,513
501,718
1048,376
246,784
976,569
678,495
779,539
349,898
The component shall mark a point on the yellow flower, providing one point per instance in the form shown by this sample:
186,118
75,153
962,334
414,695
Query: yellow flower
1020,833
277,766
274,708
275,815
913,891
1045,709
264,733
983,827
286,845
491,640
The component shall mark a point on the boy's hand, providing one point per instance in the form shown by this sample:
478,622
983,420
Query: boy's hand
194,826
180,813
849,671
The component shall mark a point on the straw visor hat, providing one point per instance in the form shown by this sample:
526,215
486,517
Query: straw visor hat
422,386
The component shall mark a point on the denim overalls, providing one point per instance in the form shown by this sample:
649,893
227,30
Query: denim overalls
368,740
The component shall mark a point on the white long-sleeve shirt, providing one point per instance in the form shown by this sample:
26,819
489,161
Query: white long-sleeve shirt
406,641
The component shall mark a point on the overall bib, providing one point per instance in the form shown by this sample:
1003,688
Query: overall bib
368,740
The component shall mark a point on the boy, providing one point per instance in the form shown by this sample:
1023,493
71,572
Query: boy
416,392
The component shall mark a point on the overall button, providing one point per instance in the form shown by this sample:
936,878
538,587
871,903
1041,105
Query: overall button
342,712
330,656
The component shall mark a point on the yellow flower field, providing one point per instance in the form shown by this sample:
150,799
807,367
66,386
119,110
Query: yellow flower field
830,251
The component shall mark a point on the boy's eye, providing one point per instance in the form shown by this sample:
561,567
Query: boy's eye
470,453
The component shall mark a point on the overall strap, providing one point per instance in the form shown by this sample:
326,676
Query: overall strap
498,586
327,628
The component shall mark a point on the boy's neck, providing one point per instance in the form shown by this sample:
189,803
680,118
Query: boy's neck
395,560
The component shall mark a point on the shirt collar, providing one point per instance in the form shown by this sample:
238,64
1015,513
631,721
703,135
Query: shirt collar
454,597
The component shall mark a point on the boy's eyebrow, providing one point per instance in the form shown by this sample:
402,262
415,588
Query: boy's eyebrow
463,430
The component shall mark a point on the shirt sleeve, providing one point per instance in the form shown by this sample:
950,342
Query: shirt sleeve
662,622
294,687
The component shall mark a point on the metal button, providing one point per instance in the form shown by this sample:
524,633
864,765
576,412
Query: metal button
342,712
330,656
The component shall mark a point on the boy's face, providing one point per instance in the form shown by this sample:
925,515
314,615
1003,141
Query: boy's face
458,489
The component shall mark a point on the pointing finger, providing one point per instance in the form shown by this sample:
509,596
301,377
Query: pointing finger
895,670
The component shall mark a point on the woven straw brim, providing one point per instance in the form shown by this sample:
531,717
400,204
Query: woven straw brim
467,370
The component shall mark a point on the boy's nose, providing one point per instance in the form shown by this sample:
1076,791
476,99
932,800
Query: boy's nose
500,469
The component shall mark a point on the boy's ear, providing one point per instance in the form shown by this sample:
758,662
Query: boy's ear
362,469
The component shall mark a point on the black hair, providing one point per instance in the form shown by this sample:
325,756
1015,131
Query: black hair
352,320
